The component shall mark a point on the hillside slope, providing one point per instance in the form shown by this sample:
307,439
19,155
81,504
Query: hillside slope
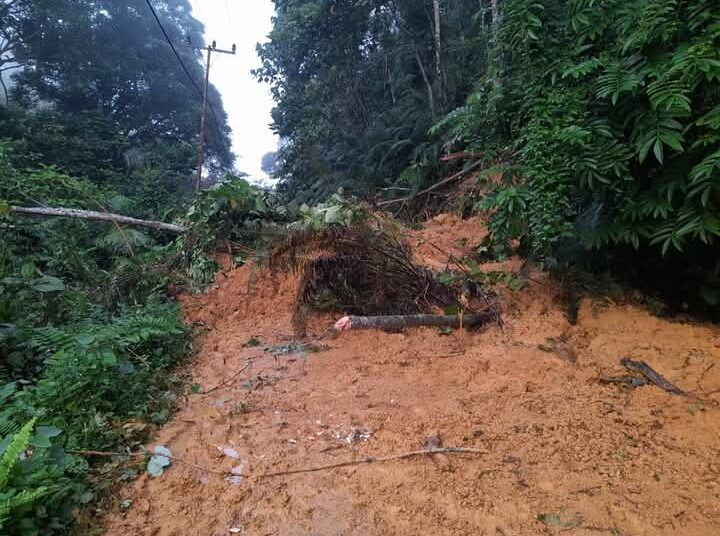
563,450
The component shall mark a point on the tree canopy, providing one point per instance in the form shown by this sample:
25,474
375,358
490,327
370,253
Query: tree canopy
600,117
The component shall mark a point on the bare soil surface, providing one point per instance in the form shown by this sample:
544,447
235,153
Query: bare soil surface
563,451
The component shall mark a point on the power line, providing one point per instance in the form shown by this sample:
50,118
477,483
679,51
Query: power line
229,19
187,72
167,38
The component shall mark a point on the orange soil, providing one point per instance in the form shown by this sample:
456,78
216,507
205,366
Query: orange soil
595,458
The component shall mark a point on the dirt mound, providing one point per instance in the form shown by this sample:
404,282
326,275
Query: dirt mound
563,451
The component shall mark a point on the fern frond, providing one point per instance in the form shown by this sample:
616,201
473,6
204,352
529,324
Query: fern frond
12,453
21,499
669,95
704,176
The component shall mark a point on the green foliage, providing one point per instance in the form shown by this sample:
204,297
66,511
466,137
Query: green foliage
87,336
12,499
335,211
611,109
120,98
230,211
100,118
357,89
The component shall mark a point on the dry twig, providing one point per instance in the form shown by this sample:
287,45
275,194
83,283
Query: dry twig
143,454
231,378
372,459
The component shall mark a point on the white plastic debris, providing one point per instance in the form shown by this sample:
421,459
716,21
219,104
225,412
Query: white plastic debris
230,453
238,469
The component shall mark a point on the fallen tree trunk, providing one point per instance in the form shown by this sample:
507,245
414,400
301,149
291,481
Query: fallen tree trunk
411,321
97,216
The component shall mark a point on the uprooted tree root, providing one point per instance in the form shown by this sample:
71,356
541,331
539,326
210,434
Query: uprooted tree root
359,270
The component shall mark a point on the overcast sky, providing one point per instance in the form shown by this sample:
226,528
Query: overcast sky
247,102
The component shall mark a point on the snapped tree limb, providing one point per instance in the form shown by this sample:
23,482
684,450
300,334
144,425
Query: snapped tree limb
434,186
97,216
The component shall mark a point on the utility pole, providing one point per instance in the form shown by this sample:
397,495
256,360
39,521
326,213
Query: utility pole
203,118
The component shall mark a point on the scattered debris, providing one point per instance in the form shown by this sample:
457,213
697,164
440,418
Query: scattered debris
651,375
230,453
556,520
159,461
627,380
355,435
361,269
237,474
238,469
560,348
141,454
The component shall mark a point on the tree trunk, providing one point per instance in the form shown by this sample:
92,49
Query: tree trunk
97,216
428,85
412,321
438,64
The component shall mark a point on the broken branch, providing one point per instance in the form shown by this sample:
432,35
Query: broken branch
97,216
651,375
372,459
434,186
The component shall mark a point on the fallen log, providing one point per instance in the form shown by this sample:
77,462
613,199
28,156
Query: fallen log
412,321
97,216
